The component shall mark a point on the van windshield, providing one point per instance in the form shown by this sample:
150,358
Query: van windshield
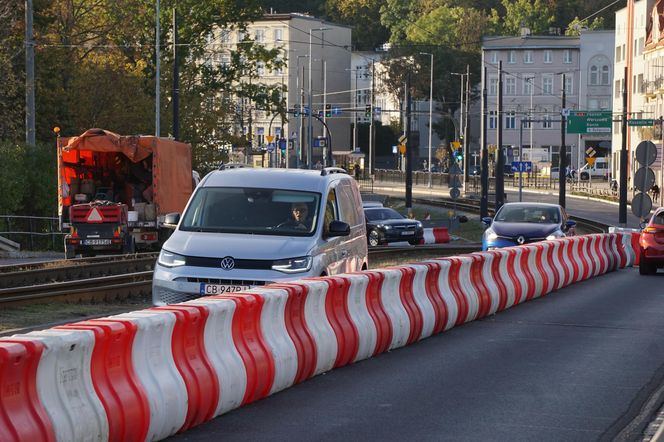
252,210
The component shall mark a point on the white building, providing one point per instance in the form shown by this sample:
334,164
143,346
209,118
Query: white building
317,55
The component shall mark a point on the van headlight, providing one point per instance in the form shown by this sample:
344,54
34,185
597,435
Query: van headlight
170,259
293,265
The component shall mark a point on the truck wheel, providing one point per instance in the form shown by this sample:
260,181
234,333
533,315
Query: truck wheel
70,253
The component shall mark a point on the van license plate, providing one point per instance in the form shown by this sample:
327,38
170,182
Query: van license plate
221,289
96,242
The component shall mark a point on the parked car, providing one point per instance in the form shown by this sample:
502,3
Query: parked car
385,225
651,244
366,204
523,223
246,227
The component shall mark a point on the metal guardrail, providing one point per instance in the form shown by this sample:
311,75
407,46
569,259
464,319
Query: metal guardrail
32,232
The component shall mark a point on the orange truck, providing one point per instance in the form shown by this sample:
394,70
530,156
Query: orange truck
114,191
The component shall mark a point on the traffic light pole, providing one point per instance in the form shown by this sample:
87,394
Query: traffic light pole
622,207
484,158
562,161
500,163
409,165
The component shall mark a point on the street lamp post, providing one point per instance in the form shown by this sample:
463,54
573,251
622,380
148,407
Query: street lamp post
430,111
298,153
310,135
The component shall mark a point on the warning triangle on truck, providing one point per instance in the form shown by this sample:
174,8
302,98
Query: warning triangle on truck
94,216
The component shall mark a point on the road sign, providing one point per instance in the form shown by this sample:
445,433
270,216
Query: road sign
589,122
403,139
492,148
646,152
336,111
402,148
270,147
455,181
394,149
455,192
269,138
522,166
641,204
644,178
454,169
591,152
378,110
641,122
456,144
590,161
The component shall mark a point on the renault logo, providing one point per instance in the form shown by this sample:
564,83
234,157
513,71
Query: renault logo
520,240
227,263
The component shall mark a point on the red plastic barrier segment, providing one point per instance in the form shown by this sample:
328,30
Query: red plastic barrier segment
377,312
336,308
441,235
410,305
477,280
584,254
503,294
601,254
435,297
527,273
621,250
457,290
22,415
516,280
636,247
563,261
299,332
249,341
115,382
576,268
555,270
542,272
191,360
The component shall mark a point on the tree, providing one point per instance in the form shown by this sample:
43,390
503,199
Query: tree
534,14
364,17
11,66
576,26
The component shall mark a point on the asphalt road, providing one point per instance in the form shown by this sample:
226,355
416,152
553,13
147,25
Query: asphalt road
576,365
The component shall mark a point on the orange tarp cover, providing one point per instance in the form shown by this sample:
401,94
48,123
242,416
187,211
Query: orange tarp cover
171,162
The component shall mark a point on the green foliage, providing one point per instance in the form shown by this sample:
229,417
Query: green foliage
362,15
576,25
534,14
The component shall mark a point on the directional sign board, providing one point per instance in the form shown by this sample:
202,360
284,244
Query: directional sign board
641,122
522,166
589,122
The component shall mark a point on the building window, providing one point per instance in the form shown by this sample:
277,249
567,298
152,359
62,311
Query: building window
547,56
593,104
604,103
546,122
528,57
594,75
567,56
618,53
547,84
568,84
510,86
492,120
225,37
510,120
260,68
528,80
512,57
493,86
260,35
605,75
616,93
494,57
278,34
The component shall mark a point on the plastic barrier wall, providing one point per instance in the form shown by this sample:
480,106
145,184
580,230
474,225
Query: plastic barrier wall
149,374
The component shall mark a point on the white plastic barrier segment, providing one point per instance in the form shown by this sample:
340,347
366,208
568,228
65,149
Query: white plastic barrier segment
592,256
547,265
273,326
613,250
503,257
556,264
490,281
422,300
446,292
601,264
576,255
319,326
359,314
519,296
156,370
469,292
223,354
629,250
532,263
64,384
391,297
567,245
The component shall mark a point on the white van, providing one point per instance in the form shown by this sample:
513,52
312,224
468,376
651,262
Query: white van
599,169
236,232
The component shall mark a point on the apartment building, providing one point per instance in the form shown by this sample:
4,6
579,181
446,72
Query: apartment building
317,56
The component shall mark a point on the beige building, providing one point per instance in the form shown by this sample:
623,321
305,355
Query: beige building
317,55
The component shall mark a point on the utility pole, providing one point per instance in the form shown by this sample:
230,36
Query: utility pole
409,165
500,163
29,77
372,135
176,79
484,165
562,161
465,127
157,96
622,208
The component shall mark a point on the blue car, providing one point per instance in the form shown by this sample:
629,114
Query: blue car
516,224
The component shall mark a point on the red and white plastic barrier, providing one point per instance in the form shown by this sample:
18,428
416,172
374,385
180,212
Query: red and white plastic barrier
436,235
149,374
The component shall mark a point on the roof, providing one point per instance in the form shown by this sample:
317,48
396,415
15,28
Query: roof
531,42
296,15
269,178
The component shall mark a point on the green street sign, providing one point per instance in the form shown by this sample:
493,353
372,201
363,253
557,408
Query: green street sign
641,122
589,122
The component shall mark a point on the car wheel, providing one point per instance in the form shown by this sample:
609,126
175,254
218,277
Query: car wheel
374,238
647,268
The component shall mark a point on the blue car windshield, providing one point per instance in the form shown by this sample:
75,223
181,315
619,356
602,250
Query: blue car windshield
528,214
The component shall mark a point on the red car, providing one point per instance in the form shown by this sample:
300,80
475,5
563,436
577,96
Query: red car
651,244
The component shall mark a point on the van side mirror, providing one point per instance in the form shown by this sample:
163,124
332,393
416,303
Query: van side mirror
171,220
338,228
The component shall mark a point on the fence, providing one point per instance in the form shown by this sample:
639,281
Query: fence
32,232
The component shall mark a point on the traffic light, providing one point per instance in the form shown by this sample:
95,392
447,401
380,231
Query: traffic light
320,114
328,110
367,110
458,154
296,112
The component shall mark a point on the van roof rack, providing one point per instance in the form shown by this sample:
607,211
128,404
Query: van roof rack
331,170
224,166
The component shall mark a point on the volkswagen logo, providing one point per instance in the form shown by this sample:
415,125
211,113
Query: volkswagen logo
227,263
520,240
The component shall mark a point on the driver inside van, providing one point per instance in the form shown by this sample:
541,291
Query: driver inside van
299,217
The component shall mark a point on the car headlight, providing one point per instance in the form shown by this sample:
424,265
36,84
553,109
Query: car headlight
170,259
419,225
490,234
385,226
555,235
293,265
